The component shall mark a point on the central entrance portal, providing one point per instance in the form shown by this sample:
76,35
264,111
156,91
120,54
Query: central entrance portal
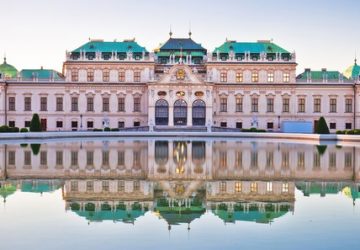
161,112
180,113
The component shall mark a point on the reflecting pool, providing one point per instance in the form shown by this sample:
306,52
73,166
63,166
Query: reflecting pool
179,194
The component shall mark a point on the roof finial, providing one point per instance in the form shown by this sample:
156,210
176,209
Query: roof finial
170,33
4,58
190,33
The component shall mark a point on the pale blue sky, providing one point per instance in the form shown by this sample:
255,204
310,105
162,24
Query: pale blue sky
324,33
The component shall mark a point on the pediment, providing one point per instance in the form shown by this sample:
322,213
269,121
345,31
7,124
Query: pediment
180,74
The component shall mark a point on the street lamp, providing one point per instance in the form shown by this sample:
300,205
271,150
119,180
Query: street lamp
279,122
81,124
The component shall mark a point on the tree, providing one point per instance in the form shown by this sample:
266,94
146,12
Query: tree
35,125
322,127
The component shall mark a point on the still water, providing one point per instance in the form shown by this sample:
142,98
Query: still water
179,194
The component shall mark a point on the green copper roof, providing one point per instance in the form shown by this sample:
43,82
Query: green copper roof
318,188
353,72
101,46
178,53
181,44
41,74
7,189
252,47
39,186
319,75
7,70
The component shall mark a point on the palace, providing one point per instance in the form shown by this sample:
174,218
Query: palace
180,85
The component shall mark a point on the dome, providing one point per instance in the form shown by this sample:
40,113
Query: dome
353,71
7,70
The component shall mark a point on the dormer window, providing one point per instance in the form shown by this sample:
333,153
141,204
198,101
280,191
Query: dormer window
137,57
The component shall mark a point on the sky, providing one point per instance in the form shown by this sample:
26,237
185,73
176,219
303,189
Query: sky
323,33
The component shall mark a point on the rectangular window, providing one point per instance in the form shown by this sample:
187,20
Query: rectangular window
136,186
301,160
74,75
270,125
27,103
254,76
239,125
239,104
121,76
285,160
254,104
11,124
43,103
90,124
269,187
90,104
270,105
74,186
332,160
90,75
301,105
223,104
59,158
253,187
27,124
137,104
121,186
238,159
137,76
59,104
348,125
269,159
105,186
89,158
136,159
11,160
27,158
11,103
238,187
285,187
223,124
286,105
121,124
239,77
270,77
74,158
106,104
316,160
348,160
317,105
59,124
333,105
223,187
286,77
105,158
90,186
223,159
121,158
106,75
348,105
254,159
121,104
136,124
223,76
74,104
43,158
332,125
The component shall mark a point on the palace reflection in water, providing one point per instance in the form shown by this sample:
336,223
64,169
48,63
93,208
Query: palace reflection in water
181,180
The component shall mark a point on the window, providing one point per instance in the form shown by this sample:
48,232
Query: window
301,160
121,186
223,104
136,124
90,104
239,125
121,104
74,125
74,75
285,187
348,125
136,159
269,187
239,104
11,160
105,158
238,187
223,187
27,103
121,76
27,158
90,75
316,160
11,103
89,158
332,125
59,158
106,107
270,77
285,160
269,160
121,124
27,124
12,124
137,76
59,104
270,105
43,103
332,160
121,158
333,105
74,158
137,104
223,159
254,159
106,75
90,124
105,186
59,124
270,125
348,105
253,187
239,77
136,185
43,158
286,77
317,105
223,124
74,187
254,104
223,76
254,76
301,105
74,104
286,105
238,159
89,186
348,160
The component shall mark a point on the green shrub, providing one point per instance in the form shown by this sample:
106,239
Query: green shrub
321,149
35,148
35,125
97,129
14,129
107,129
115,129
322,127
340,132
350,132
23,145
357,131
24,130
4,129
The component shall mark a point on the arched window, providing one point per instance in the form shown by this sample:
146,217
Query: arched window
180,112
161,112
198,113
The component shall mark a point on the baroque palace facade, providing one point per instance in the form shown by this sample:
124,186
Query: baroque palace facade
180,85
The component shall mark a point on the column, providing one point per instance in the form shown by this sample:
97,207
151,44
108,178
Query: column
171,115
189,115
